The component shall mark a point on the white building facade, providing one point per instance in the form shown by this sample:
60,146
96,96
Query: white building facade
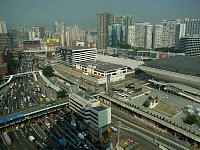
73,56
148,36
157,36
34,34
3,28
140,34
90,109
169,28
131,35
102,70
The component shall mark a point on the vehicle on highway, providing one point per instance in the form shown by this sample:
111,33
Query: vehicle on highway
61,113
73,123
81,136
43,95
47,123
113,129
31,138
61,118
85,146
7,138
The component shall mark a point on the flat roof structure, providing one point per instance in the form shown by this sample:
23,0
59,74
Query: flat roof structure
133,64
86,96
99,108
178,69
182,64
185,88
102,66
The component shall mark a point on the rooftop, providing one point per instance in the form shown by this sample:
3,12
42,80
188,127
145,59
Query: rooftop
99,108
86,96
185,88
102,66
120,61
180,64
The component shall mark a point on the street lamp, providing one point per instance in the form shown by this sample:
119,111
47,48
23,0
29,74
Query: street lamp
119,124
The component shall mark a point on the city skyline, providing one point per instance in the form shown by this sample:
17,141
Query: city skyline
71,12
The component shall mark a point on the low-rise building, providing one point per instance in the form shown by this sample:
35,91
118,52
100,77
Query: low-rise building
178,69
101,70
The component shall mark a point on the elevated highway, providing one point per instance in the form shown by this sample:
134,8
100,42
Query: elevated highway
10,77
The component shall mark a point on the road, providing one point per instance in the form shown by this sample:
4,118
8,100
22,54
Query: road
150,135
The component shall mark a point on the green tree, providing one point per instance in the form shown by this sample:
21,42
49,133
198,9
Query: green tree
191,119
61,94
146,104
150,98
48,71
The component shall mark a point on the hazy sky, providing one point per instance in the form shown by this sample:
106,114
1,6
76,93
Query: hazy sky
83,12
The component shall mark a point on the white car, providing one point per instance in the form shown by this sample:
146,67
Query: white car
85,146
84,134
73,123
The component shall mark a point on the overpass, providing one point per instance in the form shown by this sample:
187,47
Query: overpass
30,113
10,77
37,51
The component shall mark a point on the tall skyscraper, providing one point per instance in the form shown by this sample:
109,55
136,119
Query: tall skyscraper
148,36
180,32
131,35
157,36
42,32
115,34
3,28
58,27
192,26
34,34
103,19
125,21
140,34
169,28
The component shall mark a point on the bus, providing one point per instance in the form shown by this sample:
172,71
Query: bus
61,113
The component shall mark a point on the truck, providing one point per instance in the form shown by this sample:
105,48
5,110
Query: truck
31,138
7,138
80,136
